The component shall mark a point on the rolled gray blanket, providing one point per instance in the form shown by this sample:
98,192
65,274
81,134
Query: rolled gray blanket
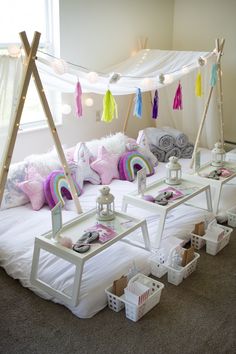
187,151
181,139
173,152
158,153
160,138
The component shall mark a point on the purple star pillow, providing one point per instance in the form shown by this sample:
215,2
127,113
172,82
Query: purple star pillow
106,165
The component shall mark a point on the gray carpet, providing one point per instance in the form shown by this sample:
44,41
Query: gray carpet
198,316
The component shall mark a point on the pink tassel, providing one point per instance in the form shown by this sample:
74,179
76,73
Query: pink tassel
177,104
78,100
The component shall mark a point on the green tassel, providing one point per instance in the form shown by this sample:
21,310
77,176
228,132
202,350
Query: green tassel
109,108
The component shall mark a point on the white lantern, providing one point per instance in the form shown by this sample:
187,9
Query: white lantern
218,155
173,171
105,205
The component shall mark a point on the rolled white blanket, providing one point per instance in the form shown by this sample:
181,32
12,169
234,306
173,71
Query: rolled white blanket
173,152
187,151
181,139
160,138
158,153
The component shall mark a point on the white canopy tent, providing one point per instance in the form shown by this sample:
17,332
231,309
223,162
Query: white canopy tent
148,70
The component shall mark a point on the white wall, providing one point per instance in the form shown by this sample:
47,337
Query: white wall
97,34
196,26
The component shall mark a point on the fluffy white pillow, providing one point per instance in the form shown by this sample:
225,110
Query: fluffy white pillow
115,144
44,164
13,196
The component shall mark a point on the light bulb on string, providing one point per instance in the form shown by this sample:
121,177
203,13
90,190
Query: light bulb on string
89,102
59,66
66,109
168,78
92,77
146,83
13,50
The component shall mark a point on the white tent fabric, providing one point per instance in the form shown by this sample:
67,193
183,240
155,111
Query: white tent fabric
10,79
142,70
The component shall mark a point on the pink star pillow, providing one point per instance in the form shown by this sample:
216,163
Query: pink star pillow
106,165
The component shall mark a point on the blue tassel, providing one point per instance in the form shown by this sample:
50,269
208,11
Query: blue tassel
213,75
138,104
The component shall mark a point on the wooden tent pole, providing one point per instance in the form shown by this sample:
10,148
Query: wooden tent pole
28,67
220,90
52,126
201,126
128,113
219,54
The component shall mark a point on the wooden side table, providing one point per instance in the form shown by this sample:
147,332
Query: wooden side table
189,187
123,225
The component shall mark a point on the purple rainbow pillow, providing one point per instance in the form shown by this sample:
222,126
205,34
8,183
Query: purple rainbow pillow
56,187
132,161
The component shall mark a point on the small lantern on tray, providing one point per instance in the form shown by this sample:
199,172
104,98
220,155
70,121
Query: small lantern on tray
105,205
218,155
173,171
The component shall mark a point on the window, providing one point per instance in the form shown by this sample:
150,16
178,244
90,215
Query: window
31,16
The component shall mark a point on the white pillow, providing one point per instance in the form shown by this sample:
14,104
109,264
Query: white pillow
13,196
44,164
114,143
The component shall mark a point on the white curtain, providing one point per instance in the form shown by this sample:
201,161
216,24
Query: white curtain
188,119
10,80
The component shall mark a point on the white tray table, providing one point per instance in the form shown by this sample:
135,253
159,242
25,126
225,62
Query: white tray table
188,182
123,224
216,185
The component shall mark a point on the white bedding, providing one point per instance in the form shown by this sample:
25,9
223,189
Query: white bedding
19,226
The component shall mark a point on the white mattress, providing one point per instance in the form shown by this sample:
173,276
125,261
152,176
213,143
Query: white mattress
19,226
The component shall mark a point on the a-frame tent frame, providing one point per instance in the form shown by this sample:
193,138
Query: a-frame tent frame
219,52
219,46
30,69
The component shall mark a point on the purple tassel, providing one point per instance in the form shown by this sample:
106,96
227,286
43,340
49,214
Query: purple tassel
155,105
177,104
78,100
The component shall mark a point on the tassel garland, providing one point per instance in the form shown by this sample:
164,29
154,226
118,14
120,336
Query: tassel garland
138,104
78,100
213,75
155,105
177,104
198,85
109,107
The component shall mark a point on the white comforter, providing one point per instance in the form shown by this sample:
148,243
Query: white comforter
19,226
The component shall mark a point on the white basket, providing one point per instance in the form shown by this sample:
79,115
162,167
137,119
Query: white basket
135,312
232,216
197,241
114,301
176,276
157,269
213,247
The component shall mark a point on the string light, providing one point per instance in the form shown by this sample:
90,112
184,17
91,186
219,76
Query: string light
146,83
66,109
13,50
59,66
92,77
89,102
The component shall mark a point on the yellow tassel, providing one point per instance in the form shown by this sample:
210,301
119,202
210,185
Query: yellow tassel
109,107
198,85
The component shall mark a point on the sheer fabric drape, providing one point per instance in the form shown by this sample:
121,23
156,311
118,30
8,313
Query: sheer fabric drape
10,80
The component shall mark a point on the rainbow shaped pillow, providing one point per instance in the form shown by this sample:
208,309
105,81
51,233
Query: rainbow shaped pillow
56,187
132,161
